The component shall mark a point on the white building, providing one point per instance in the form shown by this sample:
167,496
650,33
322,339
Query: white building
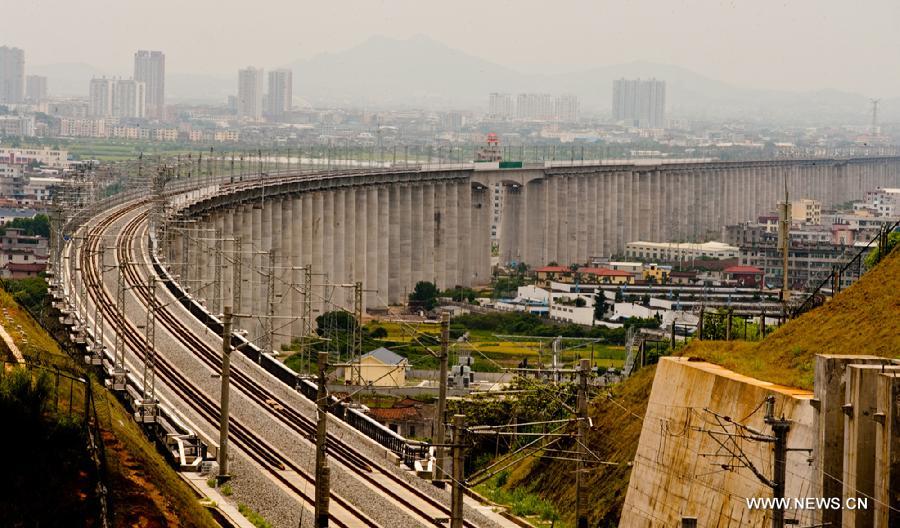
535,107
12,72
35,88
41,188
130,99
17,125
100,97
279,98
567,108
883,201
501,106
82,127
58,159
676,252
150,69
250,92
639,103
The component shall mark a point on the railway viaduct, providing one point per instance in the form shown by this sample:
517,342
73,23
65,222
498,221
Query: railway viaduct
390,229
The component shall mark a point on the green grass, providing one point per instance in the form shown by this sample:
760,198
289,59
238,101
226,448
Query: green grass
521,503
143,487
860,320
255,518
492,353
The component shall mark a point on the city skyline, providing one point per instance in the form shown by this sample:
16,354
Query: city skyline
792,56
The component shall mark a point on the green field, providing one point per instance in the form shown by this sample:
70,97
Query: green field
491,353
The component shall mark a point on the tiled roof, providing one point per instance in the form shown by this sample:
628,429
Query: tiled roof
743,269
604,272
386,356
552,269
394,413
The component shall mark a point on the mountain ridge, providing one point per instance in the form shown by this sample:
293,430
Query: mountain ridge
420,72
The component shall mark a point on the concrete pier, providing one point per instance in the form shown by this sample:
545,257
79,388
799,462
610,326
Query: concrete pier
391,230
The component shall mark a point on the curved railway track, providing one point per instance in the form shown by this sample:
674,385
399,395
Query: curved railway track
255,448
416,503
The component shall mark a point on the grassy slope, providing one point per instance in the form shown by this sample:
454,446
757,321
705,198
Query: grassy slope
613,438
861,320
144,490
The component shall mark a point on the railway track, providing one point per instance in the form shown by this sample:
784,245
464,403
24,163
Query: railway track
255,448
416,503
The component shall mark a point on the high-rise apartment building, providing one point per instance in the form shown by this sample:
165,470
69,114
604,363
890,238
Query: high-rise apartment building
567,108
12,75
535,107
129,99
35,88
280,93
250,92
501,106
100,97
640,103
150,69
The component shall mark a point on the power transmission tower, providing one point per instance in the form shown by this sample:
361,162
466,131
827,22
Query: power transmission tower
355,368
730,447
456,491
119,370
439,435
323,472
236,275
268,341
584,371
148,405
226,385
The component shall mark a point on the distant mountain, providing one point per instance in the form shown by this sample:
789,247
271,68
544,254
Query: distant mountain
421,72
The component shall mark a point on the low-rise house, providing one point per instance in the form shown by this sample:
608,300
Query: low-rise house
408,417
379,368
745,276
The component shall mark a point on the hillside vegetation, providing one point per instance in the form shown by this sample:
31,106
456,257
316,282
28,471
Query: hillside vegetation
143,490
860,320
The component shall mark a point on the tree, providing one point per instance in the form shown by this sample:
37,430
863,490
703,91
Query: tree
424,294
877,254
645,300
599,305
580,302
620,297
39,225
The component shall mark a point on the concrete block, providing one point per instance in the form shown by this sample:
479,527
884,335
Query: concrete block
887,451
829,426
860,382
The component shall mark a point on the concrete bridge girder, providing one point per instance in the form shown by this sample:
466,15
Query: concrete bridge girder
391,230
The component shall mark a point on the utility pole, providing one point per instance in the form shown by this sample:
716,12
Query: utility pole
456,491
148,405
269,342
323,472
584,370
223,406
355,373
306,316
784,233
236,275
780,428
119,370
439,435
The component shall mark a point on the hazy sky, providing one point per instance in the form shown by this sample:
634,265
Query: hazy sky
787,44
